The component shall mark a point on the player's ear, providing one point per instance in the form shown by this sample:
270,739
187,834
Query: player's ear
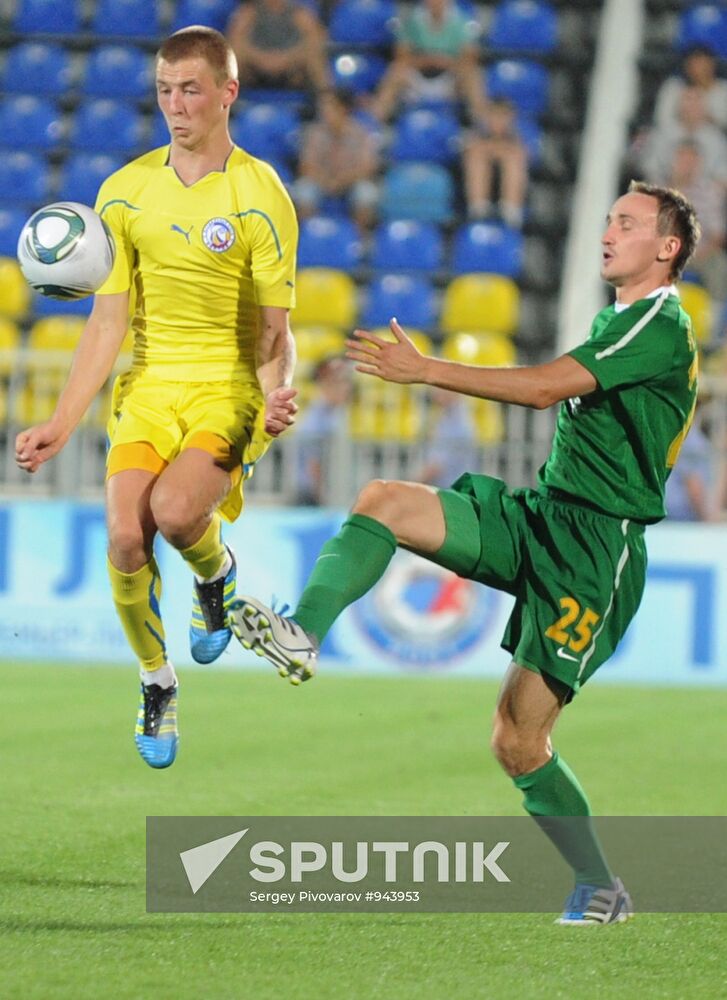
669,250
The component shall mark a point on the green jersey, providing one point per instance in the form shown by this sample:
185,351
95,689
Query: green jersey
615,447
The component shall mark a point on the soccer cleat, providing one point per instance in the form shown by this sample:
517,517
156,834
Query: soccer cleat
156,734
281,640
591,905
209,632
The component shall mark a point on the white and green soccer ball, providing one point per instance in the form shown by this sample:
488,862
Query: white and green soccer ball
66,250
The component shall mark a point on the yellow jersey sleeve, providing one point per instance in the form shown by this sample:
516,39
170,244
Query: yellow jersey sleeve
273,235
114,211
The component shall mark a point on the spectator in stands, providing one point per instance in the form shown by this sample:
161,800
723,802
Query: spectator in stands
699,70
690,487
451,447
709,198
435,58
279,43
318,426
694,126
339,159
496,151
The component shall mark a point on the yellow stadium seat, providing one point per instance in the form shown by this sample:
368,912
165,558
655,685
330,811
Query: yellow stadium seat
9,344
52,342
314,343
481,302
14,289
479,349
697,304
325,297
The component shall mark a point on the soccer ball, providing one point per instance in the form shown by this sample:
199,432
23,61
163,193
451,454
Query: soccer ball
66,251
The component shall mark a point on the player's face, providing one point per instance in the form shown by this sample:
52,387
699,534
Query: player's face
195,106
631,246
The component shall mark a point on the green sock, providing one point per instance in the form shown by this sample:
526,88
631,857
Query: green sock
552,797
348,565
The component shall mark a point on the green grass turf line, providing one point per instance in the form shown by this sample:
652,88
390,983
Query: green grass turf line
75,796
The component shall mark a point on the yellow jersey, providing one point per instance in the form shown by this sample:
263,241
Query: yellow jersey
199,261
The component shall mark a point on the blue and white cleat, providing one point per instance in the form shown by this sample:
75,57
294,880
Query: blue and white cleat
591,905
156,734
280,639
209,632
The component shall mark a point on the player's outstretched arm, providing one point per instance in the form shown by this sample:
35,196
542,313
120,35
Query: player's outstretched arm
275,363
537,386
92,364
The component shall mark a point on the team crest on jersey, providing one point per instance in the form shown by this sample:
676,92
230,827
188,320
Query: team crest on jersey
218,235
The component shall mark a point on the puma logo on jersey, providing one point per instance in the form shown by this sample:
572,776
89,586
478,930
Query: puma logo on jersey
178,229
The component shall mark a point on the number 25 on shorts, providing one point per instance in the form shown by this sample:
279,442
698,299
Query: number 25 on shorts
582,625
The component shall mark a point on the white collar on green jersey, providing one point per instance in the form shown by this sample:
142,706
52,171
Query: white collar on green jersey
669,289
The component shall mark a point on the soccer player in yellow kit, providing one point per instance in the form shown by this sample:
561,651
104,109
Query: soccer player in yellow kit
206,237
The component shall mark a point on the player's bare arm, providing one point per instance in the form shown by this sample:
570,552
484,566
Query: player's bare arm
92,364
275,363
537,386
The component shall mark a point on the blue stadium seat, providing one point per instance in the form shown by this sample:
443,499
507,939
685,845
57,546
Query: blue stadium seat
213,13
131,18
83,175
408,297
329,242
107,126
52,17
487,246
420,191
425,136
358,72
703,24
525,83
12,221
28,122
532,136
32,68
404,245
159,131
24,178
270,131
362,22
118,71
524,25
57,307
283,170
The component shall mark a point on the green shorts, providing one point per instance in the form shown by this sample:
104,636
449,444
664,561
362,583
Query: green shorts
577,575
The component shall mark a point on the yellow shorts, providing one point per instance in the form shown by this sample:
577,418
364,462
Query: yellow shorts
153,420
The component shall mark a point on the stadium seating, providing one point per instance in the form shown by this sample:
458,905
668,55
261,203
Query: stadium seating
29,122
425,136
9,344
403,245
213,13
270,131
132,18
487,246
33,68
362,22
313,345
118,71
423,192
697,302
325,297
704,24
48,308
526,25
24,180
410,298
329,242
14,290
479,349
12,221
358,72
62,17
52,342
107,126
480,302
82,176
526,84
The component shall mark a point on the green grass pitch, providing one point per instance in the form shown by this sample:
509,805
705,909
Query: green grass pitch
75,796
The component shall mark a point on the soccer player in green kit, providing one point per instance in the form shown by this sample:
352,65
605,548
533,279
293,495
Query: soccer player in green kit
572,550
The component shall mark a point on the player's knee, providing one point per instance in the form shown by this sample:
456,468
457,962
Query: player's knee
127,546
515,752
173,517
381,500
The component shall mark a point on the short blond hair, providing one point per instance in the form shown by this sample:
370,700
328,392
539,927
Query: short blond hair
205,43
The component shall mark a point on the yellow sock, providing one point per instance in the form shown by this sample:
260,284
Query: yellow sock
207,556
137,596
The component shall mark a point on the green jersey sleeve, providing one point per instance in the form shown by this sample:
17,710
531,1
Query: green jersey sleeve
629,347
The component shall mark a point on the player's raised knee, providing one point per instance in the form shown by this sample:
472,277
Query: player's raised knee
174,518
382,500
